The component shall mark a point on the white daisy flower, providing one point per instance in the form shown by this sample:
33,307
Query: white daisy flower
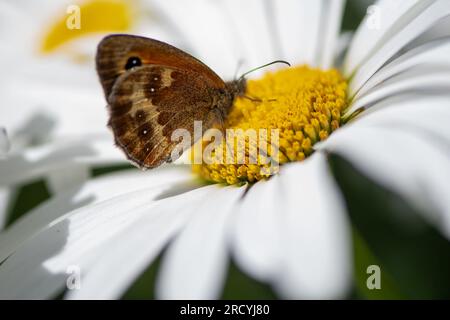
385,111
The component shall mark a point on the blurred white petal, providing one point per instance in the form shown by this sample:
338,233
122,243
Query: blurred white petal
256,231
206,30
54,106
138,245
316,252
4,142
52,86
331,19
5,198
405,30
93,192
341,47
67,177
298,24
37,268
38,161
250,28
195,264
5,193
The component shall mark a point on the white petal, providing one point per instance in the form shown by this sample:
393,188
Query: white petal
67,177
378,26
404,156
4,142
54,104
405,30
292,231
5,197
418,78
195,265
205,28
297,23
38,161
434,53
342,46
37,269
10,14
438,31
256,232
93,192
252,33
427,115
131,252
331,19
316,252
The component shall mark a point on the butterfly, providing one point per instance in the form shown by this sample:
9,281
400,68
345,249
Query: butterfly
152,89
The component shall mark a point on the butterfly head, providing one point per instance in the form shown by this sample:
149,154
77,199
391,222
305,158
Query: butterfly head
237,88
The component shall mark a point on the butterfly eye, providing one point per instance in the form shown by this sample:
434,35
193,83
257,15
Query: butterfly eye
133,62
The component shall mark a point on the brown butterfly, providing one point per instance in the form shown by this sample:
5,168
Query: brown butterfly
152,89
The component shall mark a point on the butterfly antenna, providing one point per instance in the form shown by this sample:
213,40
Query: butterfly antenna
263,66
257,99
252,99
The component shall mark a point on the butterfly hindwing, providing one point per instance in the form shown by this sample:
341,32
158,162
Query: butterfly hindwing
145,109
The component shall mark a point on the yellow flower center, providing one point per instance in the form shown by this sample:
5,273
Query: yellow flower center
304,104
89,17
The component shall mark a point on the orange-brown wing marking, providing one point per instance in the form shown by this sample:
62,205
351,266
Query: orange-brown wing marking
148,103
115,51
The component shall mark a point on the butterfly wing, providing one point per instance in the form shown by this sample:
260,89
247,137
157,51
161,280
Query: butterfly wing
115,51
149,102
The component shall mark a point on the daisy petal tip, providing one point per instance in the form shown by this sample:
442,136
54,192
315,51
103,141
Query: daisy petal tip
194,267
315,288
317,255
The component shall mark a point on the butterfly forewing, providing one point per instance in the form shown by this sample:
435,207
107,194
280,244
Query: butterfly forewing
115,51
